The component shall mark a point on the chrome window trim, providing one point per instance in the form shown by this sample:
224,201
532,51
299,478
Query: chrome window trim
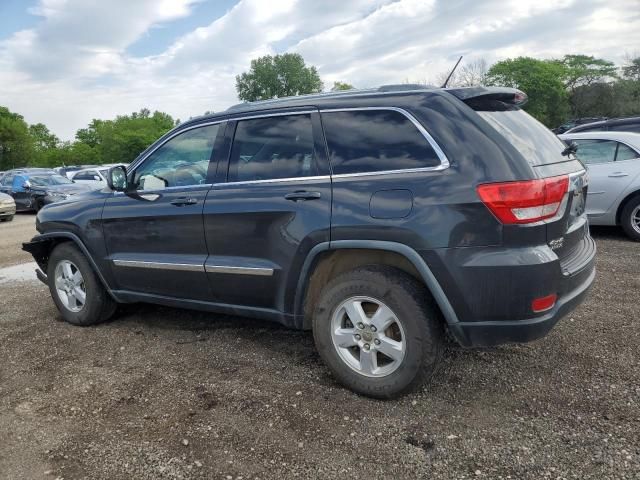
276,180
136,163
444,161
169,189
276,114
265,272
183,267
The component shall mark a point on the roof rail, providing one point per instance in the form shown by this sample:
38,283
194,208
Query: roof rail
403,87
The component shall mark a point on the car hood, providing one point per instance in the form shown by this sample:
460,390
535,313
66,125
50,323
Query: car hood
4,197
69,189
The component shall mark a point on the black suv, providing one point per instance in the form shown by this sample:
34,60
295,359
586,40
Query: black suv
379,219
626,124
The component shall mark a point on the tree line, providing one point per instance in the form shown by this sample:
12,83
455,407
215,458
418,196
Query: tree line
558,89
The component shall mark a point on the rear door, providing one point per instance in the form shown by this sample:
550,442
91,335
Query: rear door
270,206
154,235
20,194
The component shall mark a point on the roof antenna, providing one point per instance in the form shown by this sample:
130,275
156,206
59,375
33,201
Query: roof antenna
444,85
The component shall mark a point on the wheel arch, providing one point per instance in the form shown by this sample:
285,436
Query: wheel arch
326,260
631,196
42,245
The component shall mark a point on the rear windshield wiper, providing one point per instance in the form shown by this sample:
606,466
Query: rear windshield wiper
571,148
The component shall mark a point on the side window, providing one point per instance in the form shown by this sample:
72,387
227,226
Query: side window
271,148
85,175
8,180
375,140
625,153
596,151
180,162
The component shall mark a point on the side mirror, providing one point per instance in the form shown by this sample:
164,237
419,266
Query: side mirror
26,185
117,178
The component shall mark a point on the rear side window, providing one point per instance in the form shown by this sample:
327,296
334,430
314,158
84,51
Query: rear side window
272,148
375,140
537,144
625,153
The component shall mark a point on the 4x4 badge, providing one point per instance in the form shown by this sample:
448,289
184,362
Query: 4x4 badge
557,243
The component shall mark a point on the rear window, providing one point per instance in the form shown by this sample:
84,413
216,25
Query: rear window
537,144
374,141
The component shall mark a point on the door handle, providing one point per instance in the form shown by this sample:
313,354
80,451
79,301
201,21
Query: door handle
618,174
182,201
302,195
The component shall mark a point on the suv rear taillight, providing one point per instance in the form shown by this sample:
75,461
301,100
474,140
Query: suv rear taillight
524,201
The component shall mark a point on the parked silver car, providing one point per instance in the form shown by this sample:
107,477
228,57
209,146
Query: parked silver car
7,207
613,161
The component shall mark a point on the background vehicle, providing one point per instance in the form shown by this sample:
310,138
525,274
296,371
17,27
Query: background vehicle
69,170
93,177
575,122
7,207
613,159
33,188
628,124
375,218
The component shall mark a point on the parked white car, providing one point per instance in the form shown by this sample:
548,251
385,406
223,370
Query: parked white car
96,177
613,161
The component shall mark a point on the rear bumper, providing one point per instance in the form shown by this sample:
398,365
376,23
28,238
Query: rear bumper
486,334
492,290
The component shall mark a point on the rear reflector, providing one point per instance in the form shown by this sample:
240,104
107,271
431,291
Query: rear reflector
524,201
544,303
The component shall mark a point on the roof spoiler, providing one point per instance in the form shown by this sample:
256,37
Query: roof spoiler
511,96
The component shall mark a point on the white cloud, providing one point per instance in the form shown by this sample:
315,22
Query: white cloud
74,66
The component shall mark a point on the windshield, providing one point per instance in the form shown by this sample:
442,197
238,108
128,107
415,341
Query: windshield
538,144
48,180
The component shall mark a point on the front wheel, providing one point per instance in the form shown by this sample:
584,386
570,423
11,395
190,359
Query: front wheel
75,288
630,219
378,331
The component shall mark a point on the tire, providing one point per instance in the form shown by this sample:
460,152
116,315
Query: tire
630,219
418,328
97,307
37,206
7,219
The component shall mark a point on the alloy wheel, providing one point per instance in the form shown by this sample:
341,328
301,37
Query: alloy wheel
368,336
70,286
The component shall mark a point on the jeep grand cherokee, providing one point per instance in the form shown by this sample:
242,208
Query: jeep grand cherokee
378,219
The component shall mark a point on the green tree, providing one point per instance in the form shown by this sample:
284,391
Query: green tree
42,137
631,71
585,70
337,86
122,139
541,80
277,76
16,146
582,71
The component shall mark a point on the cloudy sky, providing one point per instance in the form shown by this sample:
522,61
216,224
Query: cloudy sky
64,62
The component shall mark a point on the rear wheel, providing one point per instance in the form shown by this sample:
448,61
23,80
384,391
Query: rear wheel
7,219
377,330
630,219
75,288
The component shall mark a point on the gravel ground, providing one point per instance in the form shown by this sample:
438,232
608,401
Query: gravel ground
163,393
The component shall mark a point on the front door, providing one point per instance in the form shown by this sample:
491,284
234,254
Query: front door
154,234
270,207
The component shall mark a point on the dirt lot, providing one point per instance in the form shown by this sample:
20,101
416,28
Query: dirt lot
163,393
